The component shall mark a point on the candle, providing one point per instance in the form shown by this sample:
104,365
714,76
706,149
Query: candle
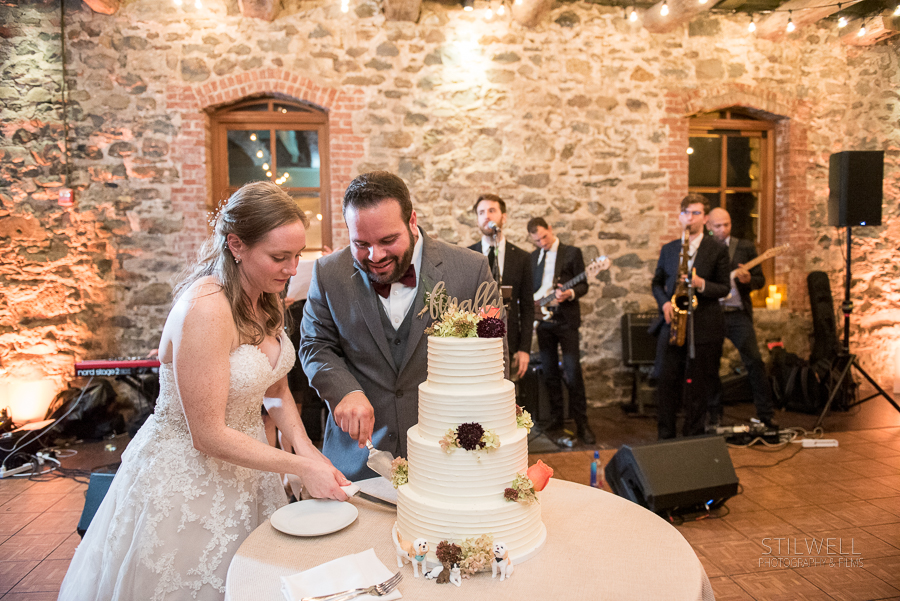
772,289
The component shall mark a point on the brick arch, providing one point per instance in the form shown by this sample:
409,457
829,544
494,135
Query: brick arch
793,198
188,105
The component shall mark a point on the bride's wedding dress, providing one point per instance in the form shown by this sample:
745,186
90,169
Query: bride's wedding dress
174,517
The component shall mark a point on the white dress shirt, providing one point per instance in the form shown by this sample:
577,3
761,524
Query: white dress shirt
501,249
549,258
401,298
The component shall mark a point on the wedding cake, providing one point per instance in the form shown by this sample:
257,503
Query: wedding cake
454,493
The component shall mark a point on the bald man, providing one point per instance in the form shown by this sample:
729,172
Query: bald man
738,310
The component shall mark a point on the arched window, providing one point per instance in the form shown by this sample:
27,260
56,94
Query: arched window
732,162
281,140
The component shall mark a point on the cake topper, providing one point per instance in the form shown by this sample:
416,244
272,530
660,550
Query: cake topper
455,577
413,552
487,297
502,563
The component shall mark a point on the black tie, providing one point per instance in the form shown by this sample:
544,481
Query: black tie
492,263
539,273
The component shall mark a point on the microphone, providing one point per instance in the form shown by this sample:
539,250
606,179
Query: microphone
493,227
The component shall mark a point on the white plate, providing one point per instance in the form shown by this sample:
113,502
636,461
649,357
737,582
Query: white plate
314,517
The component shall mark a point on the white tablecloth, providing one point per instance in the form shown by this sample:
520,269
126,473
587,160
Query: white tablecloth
599,546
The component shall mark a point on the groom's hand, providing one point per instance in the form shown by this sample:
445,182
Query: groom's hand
355,416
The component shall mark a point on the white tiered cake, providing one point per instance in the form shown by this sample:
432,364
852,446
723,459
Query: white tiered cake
460,495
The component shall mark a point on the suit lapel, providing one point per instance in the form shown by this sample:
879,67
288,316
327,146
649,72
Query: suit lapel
365,300
732,248
431,275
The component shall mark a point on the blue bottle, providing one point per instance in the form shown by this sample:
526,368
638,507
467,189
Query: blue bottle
596,471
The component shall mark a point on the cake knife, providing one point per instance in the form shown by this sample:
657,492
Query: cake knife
379,461
354,490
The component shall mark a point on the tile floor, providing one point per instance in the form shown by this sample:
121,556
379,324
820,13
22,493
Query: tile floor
848,495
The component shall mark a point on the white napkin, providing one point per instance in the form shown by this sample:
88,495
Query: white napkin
343,574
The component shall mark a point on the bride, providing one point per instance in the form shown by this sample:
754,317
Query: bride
198,477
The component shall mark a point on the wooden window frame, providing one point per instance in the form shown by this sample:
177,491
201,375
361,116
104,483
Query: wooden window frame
306,118
736,123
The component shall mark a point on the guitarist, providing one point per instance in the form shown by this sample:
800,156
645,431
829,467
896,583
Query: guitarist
739,319
556,262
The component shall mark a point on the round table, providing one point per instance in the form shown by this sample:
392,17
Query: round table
599,546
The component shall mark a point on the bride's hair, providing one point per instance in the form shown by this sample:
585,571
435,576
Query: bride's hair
250,213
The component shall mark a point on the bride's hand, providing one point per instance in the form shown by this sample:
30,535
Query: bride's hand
322,481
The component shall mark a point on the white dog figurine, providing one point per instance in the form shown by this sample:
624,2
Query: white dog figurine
413,552
455,576
502,562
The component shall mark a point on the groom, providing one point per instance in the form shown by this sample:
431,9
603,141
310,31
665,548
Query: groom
362,344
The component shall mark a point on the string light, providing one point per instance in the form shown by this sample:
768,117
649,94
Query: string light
842,22
790,25
265,166
702,1
176,2
862,30
501,10
489,13
198,5
632,16
665,8
752,27
518,2
897,11
468,5
345,6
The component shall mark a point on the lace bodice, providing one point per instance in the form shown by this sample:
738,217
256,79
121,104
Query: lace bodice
173,516
251,376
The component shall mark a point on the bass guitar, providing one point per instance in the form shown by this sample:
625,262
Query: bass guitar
772,252
546,301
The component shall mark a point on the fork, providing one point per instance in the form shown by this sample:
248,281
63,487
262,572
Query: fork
377,590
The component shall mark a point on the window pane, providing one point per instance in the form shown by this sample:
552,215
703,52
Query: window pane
714,199
311,204
743,162
298,157
248,156
704,162
288,108
744,210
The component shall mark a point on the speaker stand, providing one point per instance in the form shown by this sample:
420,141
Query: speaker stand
846,360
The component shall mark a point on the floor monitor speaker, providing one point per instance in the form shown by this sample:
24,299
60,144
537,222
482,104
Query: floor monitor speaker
855,183
97,487
675,475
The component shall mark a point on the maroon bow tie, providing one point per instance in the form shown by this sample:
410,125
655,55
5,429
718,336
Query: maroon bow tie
408,279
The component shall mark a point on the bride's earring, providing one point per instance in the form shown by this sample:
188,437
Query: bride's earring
237,260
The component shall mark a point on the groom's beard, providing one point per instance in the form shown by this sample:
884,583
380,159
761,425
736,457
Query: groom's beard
401,264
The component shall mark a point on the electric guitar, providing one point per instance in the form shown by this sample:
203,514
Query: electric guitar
546,301
772,252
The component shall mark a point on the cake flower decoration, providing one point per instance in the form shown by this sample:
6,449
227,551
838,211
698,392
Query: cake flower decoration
539,473
399,472
469,436
523,419
521,490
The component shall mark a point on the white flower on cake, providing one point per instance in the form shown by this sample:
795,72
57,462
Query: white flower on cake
399,472
523,419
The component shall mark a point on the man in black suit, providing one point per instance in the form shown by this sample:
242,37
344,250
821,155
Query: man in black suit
555,262
738,311
682,378
510,266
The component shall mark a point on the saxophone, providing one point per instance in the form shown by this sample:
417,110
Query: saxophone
682,296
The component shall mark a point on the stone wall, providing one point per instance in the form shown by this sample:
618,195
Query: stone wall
581,120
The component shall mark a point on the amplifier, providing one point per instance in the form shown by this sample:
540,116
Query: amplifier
638,346
116,367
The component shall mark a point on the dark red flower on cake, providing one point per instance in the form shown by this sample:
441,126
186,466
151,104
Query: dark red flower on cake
448,553
511,494
491,327
469,436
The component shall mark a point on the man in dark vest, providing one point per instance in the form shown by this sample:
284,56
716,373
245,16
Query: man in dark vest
738,311
363,346
551,263
510,266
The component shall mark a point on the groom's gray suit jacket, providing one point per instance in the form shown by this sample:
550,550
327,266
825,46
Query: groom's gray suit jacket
345,345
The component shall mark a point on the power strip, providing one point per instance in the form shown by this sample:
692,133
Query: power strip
810,443
26,467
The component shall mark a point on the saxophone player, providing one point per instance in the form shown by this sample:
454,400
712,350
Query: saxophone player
688,373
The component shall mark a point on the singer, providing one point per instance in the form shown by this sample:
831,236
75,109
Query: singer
510,266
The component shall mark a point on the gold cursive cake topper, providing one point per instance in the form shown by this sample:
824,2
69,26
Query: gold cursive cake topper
487,299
